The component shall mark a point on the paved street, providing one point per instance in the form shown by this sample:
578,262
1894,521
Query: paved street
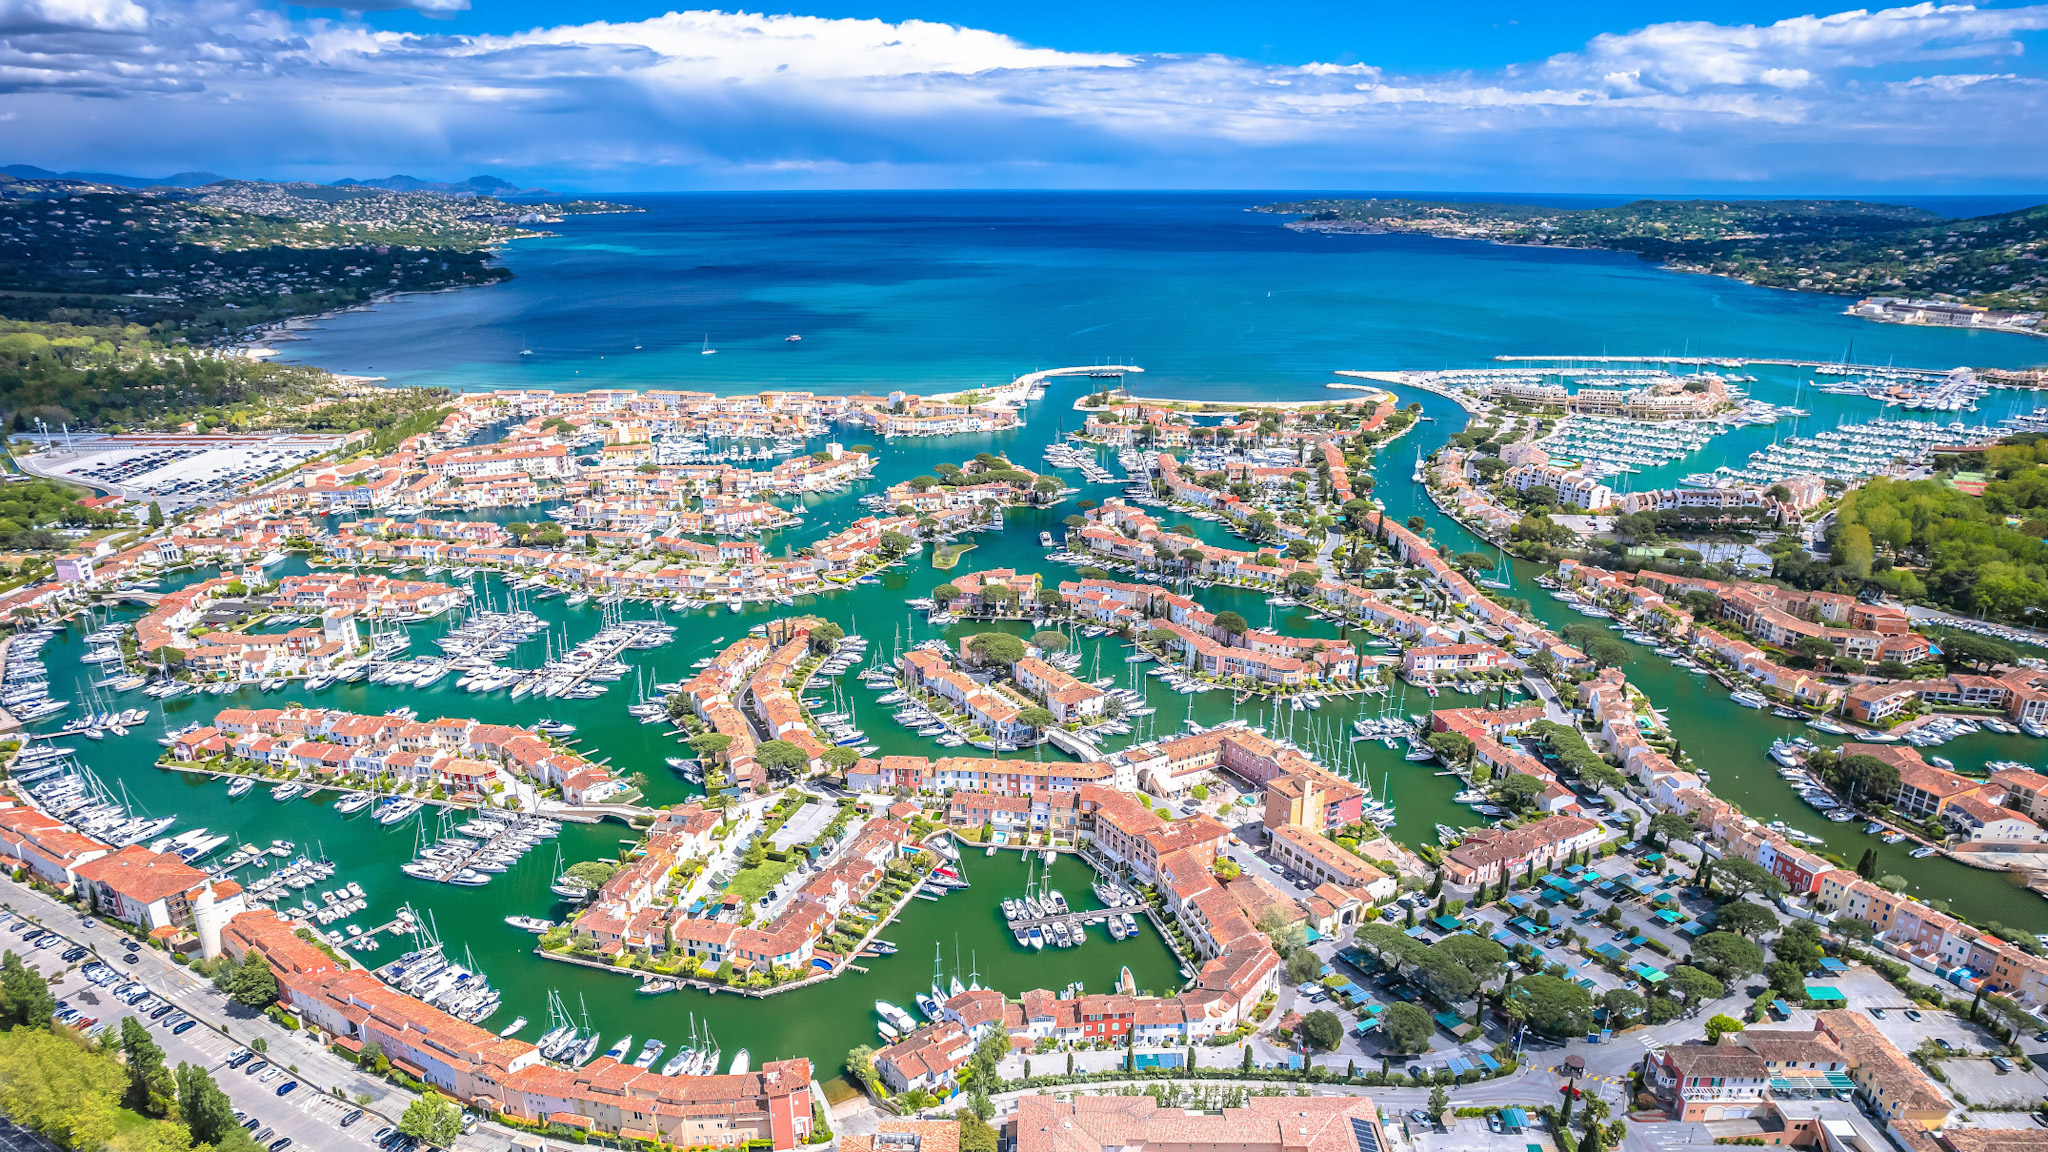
310,1115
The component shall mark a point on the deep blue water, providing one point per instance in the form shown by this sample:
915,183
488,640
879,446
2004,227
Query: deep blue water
947,290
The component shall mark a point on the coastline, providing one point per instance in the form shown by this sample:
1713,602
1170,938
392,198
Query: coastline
1339,228
1401,379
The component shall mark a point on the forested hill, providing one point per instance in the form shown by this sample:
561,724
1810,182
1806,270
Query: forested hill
1849,247
205,263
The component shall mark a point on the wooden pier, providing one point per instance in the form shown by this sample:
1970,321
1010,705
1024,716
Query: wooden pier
1074,920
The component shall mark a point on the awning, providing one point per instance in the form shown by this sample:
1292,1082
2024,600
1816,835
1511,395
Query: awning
1489,1063
1457,1066
1826,993
1830,964
1449,1020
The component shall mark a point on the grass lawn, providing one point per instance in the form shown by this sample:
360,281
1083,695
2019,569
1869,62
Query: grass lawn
949,555
750,884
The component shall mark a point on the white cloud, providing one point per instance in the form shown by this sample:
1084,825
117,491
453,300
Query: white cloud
710,97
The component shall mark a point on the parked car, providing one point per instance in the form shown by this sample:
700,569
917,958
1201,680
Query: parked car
351,1117
187,1026
130,958
281,1144
263,1134
286,1088
269,1074
1913,1014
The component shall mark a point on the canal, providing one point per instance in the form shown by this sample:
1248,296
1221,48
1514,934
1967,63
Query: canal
965,929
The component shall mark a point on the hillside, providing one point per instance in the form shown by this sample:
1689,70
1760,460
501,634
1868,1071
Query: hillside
207,263
1845,247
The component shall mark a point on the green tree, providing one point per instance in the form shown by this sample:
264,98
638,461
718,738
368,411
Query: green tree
54,1085
825,637
1727,955
1407,1028
1453,748
1746,919
1738,877
204,1108
1800,946
945,594
156,514
1719,1026
432,1118
861,1062
1866,777
591,873
1693,985
996,648
1624,1008
1552,1005
975,1133
1439,1103
710,745
1231,624
25,1000
1856,552
841,759
152,1090
1049,641
1866,865
252,983
1666,827
1522,789
1322,1030
1037,718
780,756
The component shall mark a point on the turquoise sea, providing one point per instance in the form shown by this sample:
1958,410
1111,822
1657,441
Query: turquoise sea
947,290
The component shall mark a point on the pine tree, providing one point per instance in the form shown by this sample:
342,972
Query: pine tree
25,998
151,1088
1867,866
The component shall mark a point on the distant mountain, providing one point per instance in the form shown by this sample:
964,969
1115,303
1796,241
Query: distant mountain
180,180
474,186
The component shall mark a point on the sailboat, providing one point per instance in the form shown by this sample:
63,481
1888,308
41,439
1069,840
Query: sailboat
707,350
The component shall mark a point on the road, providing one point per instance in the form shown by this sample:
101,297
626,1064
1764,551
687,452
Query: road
310,1115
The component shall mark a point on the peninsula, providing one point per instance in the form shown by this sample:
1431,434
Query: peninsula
1980,272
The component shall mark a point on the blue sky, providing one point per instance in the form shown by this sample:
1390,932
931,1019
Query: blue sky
1731,98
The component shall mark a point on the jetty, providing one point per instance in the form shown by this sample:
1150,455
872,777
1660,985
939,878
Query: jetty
1075,920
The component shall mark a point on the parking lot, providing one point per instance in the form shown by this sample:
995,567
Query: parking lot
175,471
102,990
1474,1134
804,827
1980,1082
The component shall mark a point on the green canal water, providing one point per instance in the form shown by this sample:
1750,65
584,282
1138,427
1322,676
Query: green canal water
965,928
